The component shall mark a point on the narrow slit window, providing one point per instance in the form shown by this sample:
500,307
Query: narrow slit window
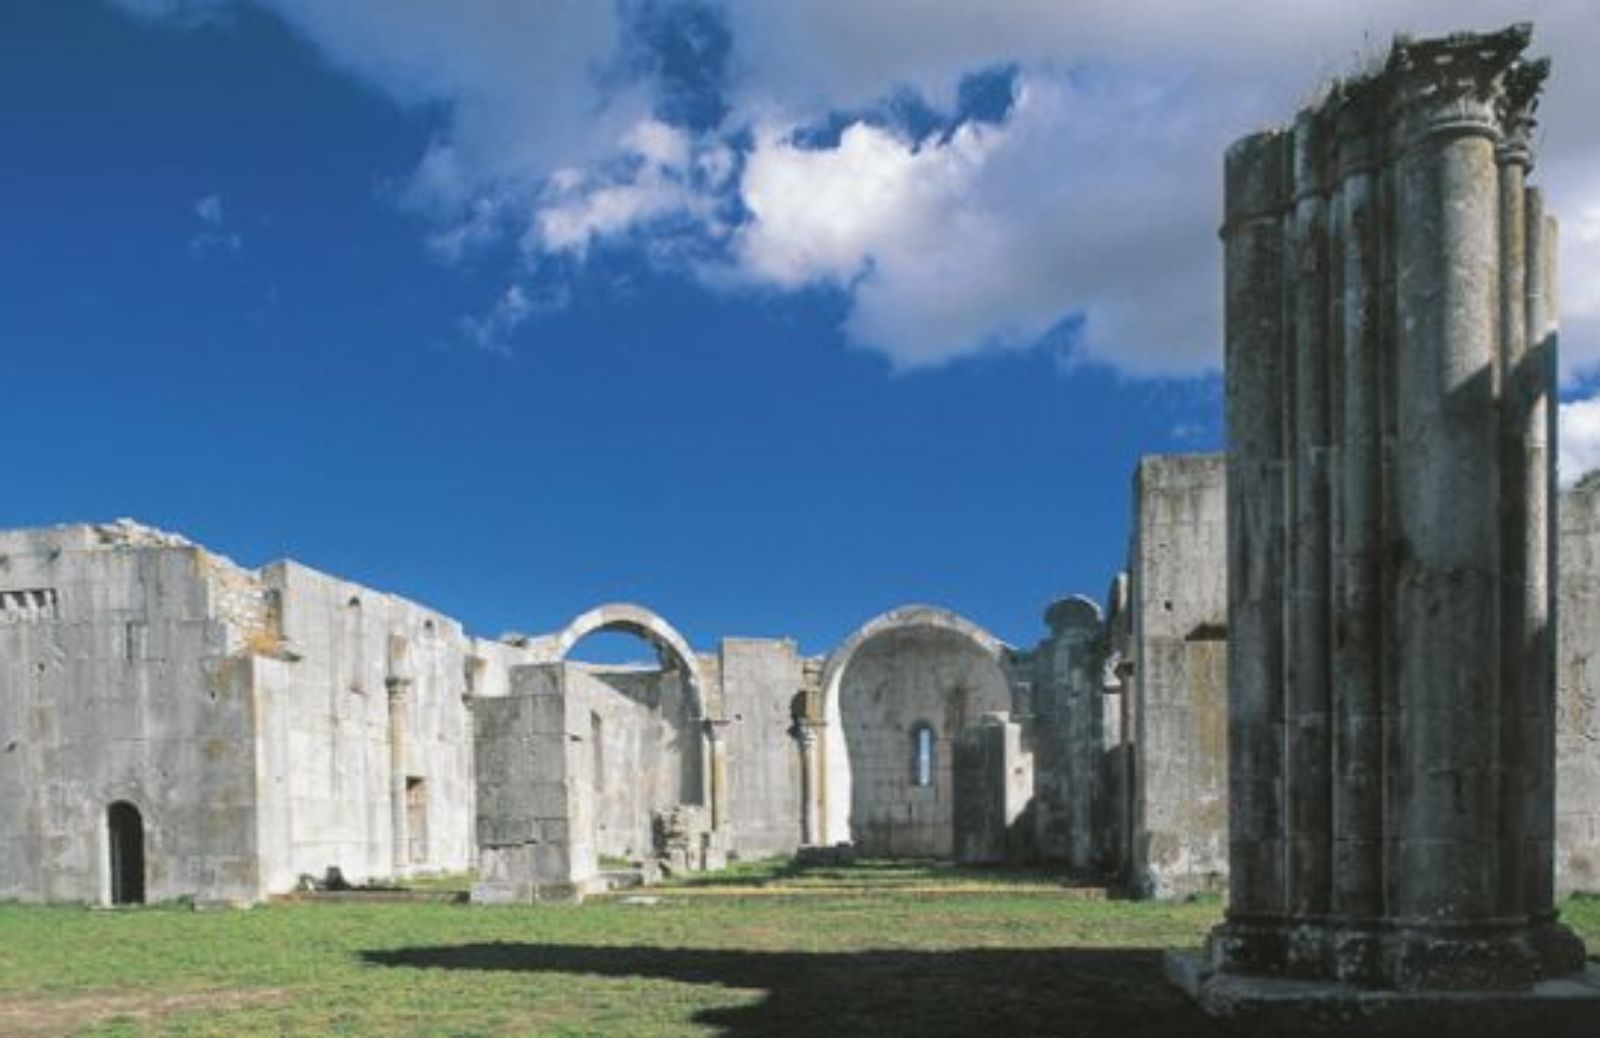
922,749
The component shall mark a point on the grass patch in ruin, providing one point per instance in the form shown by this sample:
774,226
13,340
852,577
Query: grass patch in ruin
878,952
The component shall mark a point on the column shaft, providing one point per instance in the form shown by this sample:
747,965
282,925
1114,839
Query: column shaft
1254,248
1448,538
1358,605
1309,744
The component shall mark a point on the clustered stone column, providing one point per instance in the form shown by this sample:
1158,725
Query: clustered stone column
1390,360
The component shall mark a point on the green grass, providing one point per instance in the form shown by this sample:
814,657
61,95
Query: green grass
869,876
887,958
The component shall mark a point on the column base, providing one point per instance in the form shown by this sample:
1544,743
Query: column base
1396,956
1551,1008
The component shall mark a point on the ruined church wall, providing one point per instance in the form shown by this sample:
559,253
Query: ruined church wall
332,780
1578,692
1066,734
115,684
643,754
760,679
1179,718
898,679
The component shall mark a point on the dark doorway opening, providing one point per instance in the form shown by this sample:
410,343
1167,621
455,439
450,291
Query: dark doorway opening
127,853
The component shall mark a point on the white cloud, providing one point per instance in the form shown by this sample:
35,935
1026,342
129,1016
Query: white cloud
1092,201
209,210
658,177
215,234
1580,440
490,331
989,239
1097,197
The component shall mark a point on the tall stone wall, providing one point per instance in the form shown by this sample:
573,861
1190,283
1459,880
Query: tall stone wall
1176,725
116,684
760,680
1578,693
366,732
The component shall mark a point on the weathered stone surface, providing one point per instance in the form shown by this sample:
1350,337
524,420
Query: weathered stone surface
760,680
1174,684
913,671
994,788
1577,779
1391,715
243,714
1561,1007
1070,740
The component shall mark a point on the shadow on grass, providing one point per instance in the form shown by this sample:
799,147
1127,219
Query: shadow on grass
925,993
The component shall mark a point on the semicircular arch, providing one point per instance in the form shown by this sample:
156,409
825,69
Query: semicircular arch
641,622
908,617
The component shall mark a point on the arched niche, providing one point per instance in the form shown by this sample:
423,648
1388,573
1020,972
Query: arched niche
936,669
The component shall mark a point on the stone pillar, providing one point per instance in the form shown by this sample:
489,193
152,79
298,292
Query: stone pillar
1257,514
717,757
807,735
399,697
1390,591
535,810
993,787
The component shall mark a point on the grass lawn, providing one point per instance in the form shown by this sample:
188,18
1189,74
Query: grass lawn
871,949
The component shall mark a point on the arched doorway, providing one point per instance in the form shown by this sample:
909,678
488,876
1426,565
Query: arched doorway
647,727
125,828
897,696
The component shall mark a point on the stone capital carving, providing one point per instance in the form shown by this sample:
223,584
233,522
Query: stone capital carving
1457,84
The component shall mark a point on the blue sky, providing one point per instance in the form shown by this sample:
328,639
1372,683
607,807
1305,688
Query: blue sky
743,313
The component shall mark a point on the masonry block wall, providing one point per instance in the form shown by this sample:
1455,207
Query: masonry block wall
1177,723
117,686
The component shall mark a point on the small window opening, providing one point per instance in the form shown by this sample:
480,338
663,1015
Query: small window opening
922,761
597,750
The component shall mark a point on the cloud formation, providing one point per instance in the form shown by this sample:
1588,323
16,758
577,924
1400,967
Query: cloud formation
1580,440
215,233
691,131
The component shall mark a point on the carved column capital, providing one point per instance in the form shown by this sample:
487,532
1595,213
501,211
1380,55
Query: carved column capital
1458,84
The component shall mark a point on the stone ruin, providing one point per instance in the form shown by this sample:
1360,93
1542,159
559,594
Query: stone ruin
1330,681
1391,604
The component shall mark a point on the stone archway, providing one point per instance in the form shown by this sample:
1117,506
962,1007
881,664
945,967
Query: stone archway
928,669
627,618
682,739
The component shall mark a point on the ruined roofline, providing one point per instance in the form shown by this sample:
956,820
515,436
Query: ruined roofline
121,534
128,535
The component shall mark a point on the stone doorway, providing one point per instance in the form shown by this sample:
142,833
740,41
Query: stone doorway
125,828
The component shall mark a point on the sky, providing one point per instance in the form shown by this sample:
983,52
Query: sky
769,316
